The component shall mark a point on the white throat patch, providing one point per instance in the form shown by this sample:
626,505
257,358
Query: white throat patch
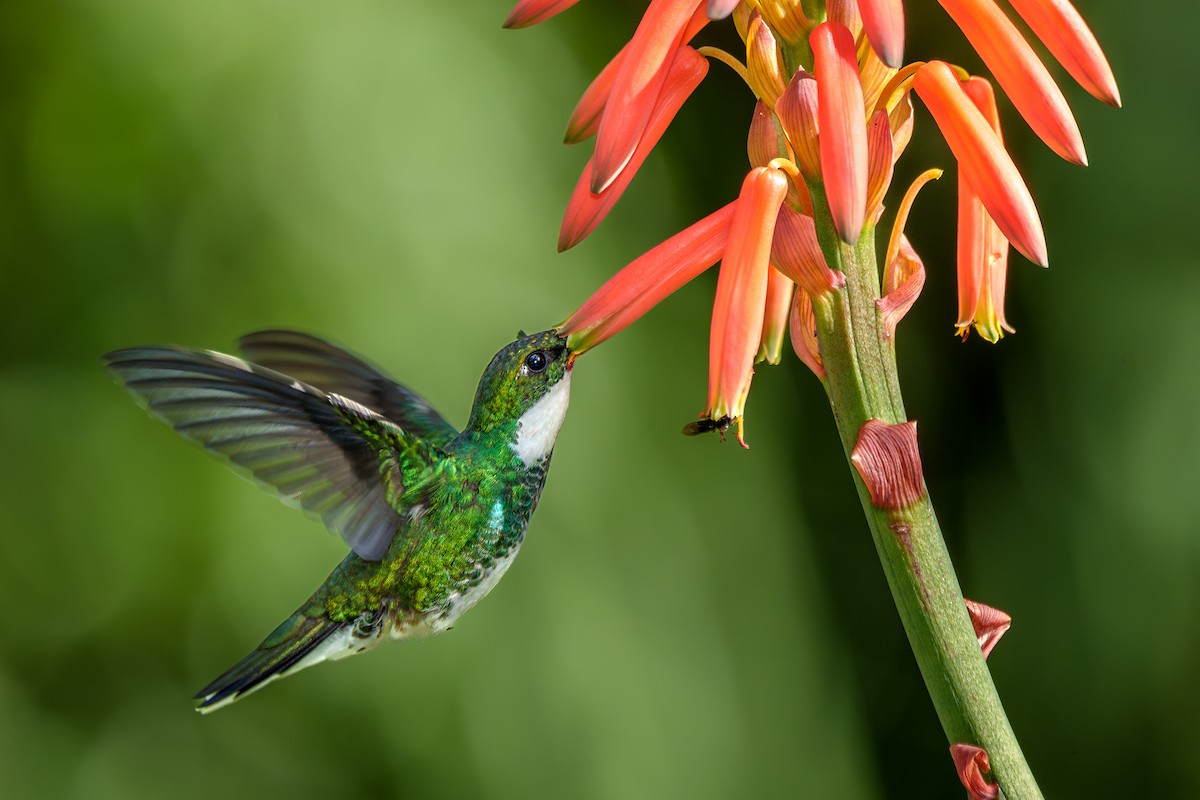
538,427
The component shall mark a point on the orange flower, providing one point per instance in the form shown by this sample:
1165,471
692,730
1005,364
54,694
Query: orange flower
531,12
737,320
883,23
586,209
983,160
1021,73
843,131
636,86
1066,35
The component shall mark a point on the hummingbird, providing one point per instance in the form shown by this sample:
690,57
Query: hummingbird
433,516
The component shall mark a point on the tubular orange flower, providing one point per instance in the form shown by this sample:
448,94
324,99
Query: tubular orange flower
982,248
982,158
776,310
531,12
585,118
883,23
1067,36
1021,73
586,210
842,120
741,293
648,280
636,86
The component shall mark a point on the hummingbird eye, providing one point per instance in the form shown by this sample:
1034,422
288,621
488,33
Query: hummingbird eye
536,361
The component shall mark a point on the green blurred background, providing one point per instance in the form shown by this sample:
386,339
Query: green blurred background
687,619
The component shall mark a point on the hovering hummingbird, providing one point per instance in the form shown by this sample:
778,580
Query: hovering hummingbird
433,517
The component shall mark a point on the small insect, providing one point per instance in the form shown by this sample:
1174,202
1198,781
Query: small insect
702,426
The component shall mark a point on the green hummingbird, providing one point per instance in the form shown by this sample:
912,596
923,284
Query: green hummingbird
433,517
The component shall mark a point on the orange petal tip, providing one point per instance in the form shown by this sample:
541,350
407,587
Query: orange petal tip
531,12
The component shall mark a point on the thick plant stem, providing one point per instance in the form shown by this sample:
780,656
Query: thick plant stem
862,384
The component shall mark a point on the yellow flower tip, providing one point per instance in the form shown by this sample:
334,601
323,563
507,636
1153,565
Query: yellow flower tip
971,762
842,121
776,310
906,204
883,23
531,12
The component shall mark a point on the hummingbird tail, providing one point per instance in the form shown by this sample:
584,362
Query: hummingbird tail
299,642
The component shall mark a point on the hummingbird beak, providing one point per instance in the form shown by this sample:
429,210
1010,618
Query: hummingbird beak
571,361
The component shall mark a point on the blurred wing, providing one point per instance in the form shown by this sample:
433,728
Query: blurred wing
328,454
331,369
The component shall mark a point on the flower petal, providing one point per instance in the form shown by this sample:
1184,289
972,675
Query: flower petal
802,329
903,280
797,112
720,9
982,158
982,248
883,22
796,253
842,120
637,85
741,292
776,310
648,280
764,69
531,12
1023,76
879,159
1067,36
586,210
765,142
585,119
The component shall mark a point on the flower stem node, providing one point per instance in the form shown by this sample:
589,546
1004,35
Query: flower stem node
889,463
990,624
971,761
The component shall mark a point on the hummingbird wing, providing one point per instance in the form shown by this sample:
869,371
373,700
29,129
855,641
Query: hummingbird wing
331,369
326,453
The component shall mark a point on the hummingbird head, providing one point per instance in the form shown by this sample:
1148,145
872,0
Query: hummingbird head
525,391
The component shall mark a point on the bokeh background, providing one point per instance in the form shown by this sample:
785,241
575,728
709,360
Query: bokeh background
687,619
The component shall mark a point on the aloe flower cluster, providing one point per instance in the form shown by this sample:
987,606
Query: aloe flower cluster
834,112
